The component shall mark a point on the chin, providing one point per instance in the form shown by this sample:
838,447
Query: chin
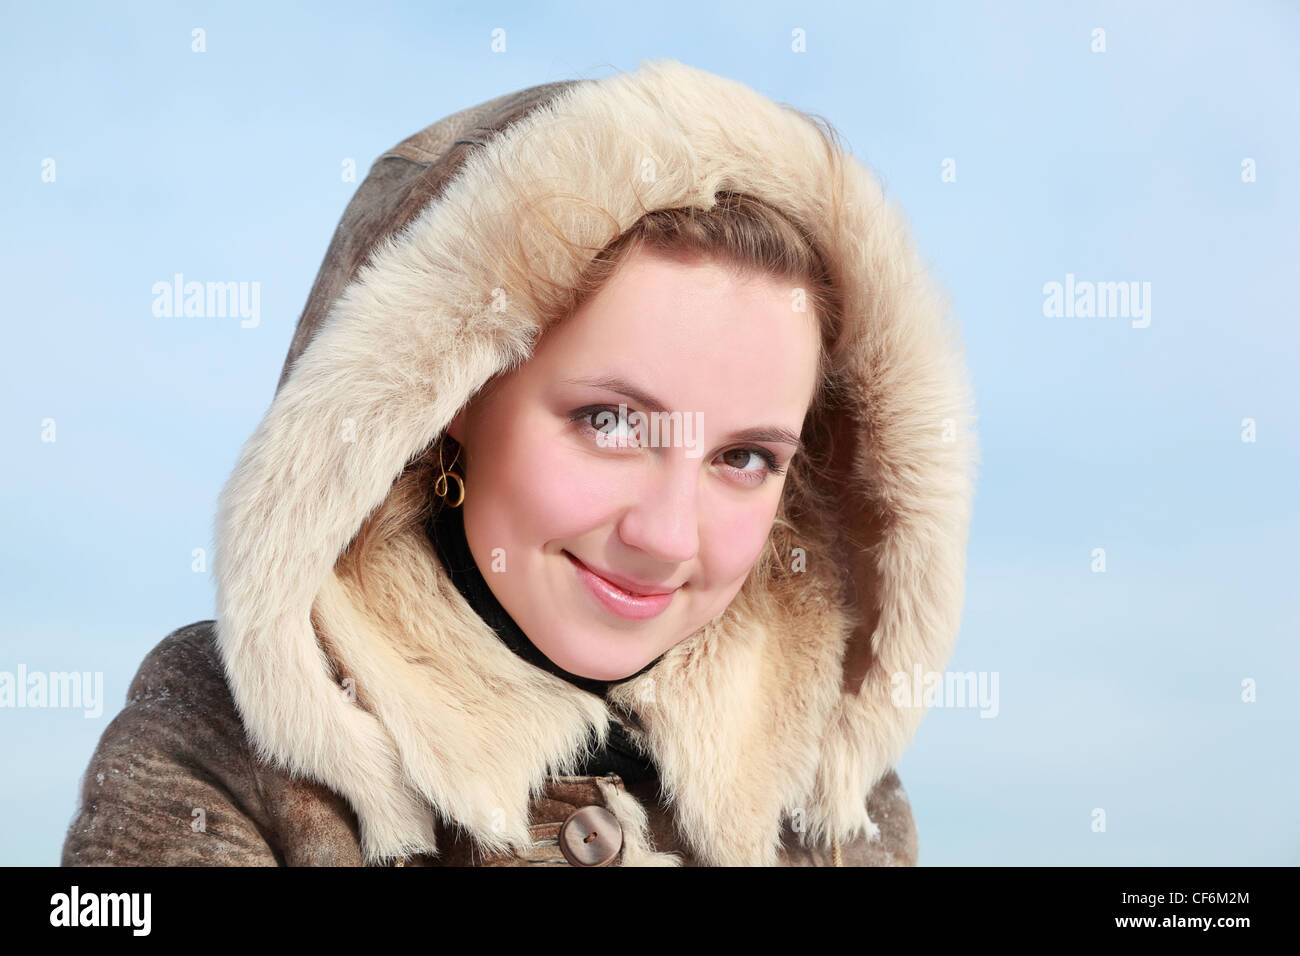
602,676
583,665
602,673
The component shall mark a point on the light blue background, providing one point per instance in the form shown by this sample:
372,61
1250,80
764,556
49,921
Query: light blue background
1118,691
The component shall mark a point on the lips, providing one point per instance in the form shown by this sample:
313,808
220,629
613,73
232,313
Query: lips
614,597
625,584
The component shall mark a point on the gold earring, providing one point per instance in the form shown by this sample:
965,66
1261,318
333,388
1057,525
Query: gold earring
441,485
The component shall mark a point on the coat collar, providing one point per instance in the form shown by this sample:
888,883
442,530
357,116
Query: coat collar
762,718
446,531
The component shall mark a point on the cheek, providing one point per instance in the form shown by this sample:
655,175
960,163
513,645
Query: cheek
556,502
735,540
542,491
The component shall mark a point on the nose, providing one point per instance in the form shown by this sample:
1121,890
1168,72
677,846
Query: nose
663,519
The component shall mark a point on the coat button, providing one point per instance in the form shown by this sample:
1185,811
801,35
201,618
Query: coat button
590,836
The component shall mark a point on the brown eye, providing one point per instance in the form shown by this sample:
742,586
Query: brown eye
606,425
738,458
603,419
756,467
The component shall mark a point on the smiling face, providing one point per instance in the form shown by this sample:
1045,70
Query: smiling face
561,488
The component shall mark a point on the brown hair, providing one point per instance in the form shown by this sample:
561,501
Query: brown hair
739,231
742,232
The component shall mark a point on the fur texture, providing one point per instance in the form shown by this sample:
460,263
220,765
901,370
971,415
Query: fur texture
748,720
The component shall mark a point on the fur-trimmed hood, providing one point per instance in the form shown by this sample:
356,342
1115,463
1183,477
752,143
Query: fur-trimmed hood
761,717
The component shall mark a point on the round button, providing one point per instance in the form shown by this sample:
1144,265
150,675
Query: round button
591,836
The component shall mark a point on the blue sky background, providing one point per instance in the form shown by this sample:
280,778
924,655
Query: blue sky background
1119,691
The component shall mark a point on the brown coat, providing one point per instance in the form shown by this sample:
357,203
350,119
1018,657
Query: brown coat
178,747
317,722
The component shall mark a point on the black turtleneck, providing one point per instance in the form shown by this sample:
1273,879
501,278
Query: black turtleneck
446,530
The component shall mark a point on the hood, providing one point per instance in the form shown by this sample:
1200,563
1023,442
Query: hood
399,697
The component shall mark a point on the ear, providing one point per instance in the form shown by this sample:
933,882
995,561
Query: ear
457,427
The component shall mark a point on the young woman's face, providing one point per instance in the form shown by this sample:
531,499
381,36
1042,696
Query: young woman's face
555,508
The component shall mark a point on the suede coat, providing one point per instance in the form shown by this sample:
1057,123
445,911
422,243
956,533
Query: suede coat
315,722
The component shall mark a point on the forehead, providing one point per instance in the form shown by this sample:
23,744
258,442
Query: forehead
699,335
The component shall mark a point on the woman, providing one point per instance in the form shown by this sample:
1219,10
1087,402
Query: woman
621,458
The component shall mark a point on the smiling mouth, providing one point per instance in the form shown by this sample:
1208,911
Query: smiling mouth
617,600
639,592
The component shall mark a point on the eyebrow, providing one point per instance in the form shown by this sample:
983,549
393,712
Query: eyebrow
763,433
